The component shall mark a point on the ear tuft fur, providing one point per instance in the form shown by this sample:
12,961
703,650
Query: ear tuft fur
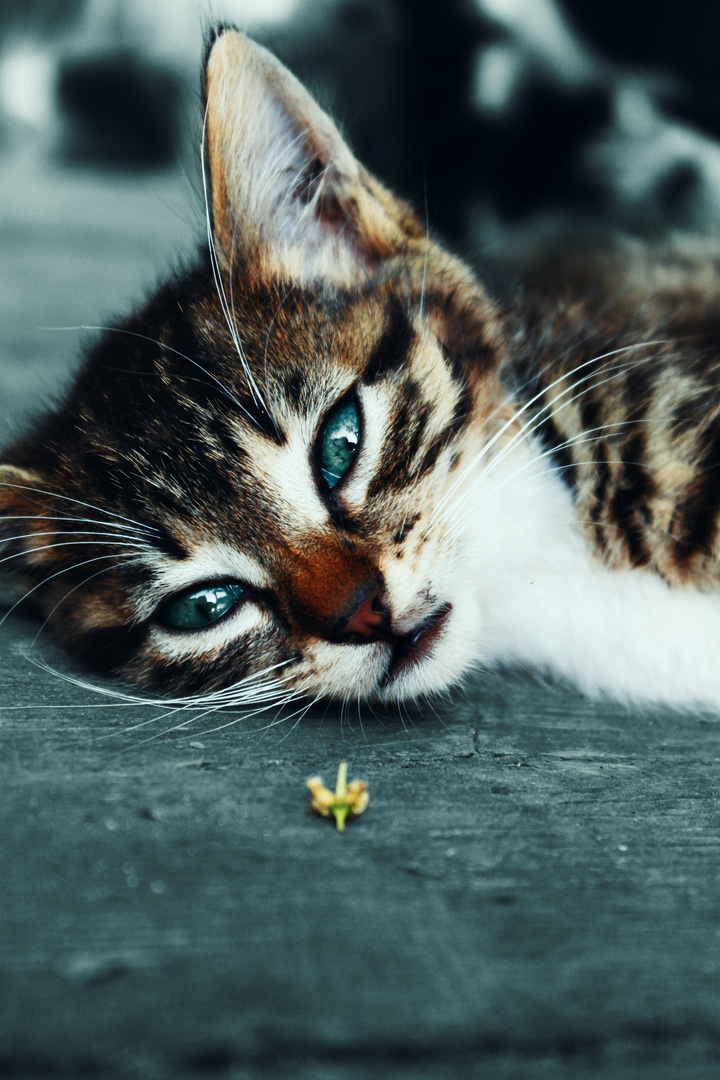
287,194
216,31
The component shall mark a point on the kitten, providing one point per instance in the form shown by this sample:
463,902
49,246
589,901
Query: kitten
328,462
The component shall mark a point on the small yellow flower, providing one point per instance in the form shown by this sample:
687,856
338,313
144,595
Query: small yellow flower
347,799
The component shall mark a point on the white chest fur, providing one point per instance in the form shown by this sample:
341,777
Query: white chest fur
547,602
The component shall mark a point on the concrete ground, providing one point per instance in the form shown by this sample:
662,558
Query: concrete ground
532,893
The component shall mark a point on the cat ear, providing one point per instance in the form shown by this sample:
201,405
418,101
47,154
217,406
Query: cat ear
286,191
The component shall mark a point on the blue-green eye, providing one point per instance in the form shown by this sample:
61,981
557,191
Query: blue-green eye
338,442
198,607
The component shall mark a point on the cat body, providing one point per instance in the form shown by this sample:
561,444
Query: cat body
328,462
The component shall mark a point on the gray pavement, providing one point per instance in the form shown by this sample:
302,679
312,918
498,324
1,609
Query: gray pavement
532,892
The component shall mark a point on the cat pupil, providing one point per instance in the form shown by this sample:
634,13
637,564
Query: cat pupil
338,442
198,607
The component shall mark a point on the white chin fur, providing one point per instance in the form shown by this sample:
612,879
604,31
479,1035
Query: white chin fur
452,655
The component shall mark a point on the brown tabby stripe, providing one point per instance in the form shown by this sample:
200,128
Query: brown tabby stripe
202,674
109,649
628,504
698,519
634,504
394,347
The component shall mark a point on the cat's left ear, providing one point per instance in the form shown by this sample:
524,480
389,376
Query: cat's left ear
287,193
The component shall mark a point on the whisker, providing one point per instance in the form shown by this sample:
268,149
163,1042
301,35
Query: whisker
41,516
273,694
69,543
531,425
140,541
79,502
460,525
518,412
301,714
425,262
240,719
494,464
124,698
168,348
65,570
217,277
205,712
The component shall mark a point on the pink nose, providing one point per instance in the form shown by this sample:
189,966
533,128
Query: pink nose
335,592
369,619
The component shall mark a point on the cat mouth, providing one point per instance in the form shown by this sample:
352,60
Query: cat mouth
411,649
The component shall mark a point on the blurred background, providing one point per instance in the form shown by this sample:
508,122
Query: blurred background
496,119
476,110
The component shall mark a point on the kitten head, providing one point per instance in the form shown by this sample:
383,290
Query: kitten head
252,482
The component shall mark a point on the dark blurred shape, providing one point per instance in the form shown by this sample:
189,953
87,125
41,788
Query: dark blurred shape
523,159
436,56
482,114
120,111
676,190
39,15
412,65
530,159
680,39
399,75
597,111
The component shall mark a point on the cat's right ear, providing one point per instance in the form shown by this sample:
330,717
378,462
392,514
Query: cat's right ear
287,195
